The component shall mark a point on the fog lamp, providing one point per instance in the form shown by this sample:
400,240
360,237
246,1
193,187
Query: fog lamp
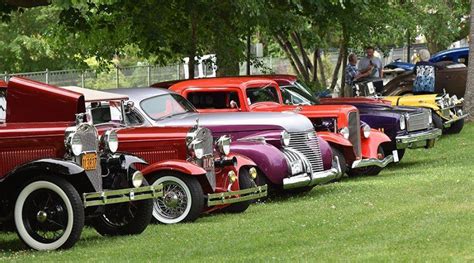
253,173
232,176
137,179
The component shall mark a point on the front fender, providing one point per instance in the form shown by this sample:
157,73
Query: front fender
335,138
370,145
56,166
269,159
174,165
241,160
129,159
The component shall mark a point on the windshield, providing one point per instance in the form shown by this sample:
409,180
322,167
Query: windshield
262,94
297,94
105,112
166,105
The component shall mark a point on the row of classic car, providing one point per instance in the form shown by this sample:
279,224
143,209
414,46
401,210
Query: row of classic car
121,158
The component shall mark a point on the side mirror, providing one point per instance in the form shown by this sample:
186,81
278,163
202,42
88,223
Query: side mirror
233,105
129,106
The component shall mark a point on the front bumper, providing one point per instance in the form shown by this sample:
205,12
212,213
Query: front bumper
418,139
447,124
315,178
236,196
373,162
122,195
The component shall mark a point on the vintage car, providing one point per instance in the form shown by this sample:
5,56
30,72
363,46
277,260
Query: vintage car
450,75
357,145
407,127
284,146
56,172
197,175
446,110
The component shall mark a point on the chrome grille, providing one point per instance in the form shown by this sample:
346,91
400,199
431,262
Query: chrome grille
354,132
418,121
88,135
307,144
207,142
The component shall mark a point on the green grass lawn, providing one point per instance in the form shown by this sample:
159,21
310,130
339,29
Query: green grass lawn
421,209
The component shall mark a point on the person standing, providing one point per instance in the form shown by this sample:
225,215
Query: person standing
371,64
352,73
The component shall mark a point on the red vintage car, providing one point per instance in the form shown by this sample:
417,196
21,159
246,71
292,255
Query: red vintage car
198,174
354,143
55,171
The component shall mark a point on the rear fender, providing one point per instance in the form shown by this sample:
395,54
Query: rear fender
370,145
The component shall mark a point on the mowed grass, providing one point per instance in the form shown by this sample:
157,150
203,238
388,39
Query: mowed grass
421,209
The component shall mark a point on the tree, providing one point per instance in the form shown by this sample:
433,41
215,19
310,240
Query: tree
469,96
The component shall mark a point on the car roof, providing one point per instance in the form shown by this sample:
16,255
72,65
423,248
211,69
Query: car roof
91,95
235,82
168,84
139,94
450,51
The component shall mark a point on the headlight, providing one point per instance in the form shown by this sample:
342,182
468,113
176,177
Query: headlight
285,138
344,132
223,144
196,149
366,131
75,143
253,173
403,124
137,179
110,139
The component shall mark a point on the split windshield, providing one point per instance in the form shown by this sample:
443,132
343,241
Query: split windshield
166,105
106,112
262,94
297,94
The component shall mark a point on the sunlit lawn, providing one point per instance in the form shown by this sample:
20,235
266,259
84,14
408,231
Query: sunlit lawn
422,209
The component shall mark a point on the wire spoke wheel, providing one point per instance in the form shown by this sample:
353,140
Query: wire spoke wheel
174,201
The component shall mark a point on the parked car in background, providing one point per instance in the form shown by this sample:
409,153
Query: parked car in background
284,146
55,170
407,127
359,146
450,75
195,176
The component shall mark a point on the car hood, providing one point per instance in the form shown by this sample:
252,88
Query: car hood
290,121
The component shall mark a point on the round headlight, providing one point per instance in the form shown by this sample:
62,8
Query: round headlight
137,179
111,141
285,138
344,132
223,144
366,131
75,144
403,124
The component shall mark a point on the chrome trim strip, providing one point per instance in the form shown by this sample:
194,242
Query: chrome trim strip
122,195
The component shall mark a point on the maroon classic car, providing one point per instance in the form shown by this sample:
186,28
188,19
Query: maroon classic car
197,174
56,173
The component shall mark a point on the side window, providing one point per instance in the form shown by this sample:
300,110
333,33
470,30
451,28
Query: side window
3,106
214,100
463,59
134,118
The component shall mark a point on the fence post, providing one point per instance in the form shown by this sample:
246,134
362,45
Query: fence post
82,79
47,76
117,77
178,71
6,76
148,74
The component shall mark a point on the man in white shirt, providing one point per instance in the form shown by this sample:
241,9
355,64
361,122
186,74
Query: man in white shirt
371,64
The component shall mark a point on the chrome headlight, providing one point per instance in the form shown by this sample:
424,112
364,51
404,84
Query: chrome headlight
403,123
223,144
344,132
137,179
110,140
285,138
74,143
253,173
366,130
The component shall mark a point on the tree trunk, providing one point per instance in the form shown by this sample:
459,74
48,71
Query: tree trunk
315,66
307,63
338,66
469,96
345,40
282,46
321,70
248,53
192,50
303,72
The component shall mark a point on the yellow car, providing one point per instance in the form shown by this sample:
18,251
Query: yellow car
446,111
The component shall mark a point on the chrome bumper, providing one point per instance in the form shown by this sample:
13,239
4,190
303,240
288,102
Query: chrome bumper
122,195
446,124
315,178
373,162
236,196
418,139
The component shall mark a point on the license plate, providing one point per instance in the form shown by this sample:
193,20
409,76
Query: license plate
89,161
208,163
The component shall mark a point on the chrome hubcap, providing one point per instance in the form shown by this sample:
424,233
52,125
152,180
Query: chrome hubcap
42,216
174,201
171,199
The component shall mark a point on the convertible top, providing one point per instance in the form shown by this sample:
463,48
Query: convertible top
91,95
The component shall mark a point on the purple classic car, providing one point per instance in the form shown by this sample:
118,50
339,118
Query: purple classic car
283,145
407,127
